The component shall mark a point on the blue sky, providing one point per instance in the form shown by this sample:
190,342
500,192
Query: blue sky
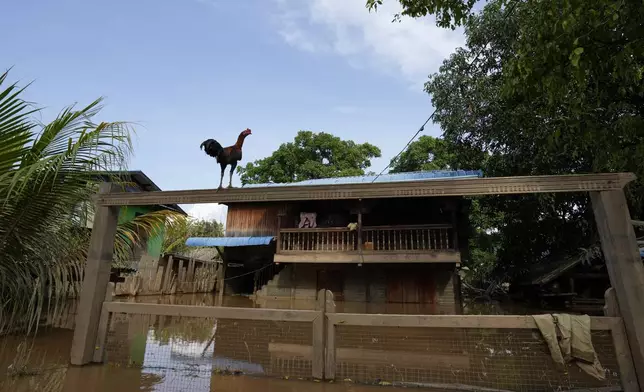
188,70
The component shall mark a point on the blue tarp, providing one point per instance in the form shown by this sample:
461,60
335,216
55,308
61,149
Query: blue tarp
228,241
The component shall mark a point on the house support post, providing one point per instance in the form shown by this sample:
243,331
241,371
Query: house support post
624,266
221,283
359,230
95,280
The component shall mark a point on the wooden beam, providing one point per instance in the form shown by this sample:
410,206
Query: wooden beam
368,257
212,312
95,281
221,282
329,360
317,362
624,266
435,187
451,321
278,237
360,230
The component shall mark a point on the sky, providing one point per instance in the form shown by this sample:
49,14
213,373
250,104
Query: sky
183,71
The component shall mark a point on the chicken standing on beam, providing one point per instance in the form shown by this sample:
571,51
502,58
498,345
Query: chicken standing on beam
226,155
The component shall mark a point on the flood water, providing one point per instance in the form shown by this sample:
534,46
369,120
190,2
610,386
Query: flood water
165,355
171,369
173,356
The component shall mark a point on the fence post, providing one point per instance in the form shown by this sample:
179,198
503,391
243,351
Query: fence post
329,366
624,266
319,338
181,277
167,275
95,280
622,352
103,326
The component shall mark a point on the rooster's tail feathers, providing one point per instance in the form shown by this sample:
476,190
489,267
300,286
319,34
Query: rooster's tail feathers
212,147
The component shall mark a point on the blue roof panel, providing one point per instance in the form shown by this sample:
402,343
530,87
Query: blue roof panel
228,241
393,177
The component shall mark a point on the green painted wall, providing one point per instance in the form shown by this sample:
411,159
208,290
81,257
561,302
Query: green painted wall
155,243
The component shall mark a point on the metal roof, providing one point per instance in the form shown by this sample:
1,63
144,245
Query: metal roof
228,241
391,177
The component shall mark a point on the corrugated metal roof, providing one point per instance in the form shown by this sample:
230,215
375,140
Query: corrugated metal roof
228,241
394,177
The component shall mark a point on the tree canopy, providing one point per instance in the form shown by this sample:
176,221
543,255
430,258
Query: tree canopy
542,87
310,156
174,240
426,153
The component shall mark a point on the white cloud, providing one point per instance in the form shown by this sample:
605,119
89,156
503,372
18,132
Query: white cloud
208,212
412,48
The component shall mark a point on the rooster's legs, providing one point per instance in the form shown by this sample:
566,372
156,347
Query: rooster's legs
221,179
232,170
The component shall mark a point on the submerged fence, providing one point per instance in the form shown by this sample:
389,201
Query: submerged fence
191,344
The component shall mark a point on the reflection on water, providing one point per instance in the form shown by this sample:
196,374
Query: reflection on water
174,365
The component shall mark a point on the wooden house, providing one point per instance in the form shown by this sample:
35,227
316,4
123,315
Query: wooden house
394,250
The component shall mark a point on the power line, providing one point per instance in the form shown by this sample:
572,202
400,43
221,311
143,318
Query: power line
422,127
248,273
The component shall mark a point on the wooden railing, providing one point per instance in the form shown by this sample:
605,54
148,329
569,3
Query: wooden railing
329,239
369,238
408,238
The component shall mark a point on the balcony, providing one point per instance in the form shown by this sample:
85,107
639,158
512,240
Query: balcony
370,244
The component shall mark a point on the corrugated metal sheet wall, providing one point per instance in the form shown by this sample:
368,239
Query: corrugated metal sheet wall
247,220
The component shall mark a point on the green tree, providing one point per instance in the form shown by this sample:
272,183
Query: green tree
426,153
47,175
175,237
524,94
311,156
449,13
430,153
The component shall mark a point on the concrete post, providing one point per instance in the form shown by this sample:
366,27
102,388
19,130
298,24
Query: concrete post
95,280
624,266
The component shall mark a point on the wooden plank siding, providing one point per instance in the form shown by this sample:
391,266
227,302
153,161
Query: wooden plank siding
252,219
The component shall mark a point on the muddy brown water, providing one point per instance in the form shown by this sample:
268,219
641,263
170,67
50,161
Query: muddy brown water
47,370
41,364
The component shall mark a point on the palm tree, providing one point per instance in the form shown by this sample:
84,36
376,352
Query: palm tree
46,172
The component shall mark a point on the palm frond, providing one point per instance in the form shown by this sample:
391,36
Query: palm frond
46,173
133,233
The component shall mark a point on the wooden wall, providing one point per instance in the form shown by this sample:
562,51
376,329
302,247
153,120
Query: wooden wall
252,219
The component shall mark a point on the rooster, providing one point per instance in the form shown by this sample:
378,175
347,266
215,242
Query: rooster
226,155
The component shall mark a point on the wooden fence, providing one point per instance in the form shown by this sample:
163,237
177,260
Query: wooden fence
464,352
